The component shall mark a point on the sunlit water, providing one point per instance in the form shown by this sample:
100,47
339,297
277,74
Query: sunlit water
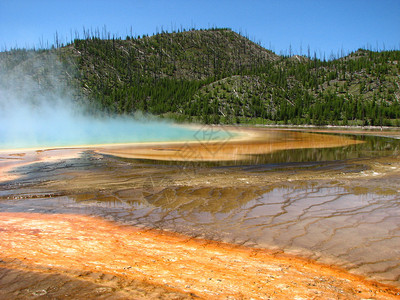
350,223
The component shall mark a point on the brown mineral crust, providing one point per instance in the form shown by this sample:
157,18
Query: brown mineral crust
252,141
22,283
116,261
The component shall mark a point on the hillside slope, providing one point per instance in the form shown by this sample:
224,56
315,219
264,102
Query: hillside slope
219,76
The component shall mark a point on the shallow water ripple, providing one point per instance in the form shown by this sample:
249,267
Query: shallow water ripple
360,232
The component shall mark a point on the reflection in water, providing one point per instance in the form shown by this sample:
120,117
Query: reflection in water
297,200
372,146
331,224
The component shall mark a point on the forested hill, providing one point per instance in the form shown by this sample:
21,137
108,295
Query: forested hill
219,76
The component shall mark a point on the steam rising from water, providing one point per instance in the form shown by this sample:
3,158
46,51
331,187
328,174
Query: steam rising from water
36,110
60,124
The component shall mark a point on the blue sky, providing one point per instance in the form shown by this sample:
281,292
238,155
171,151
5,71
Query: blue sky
324,26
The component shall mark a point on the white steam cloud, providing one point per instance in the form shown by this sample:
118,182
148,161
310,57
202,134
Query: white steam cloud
37,110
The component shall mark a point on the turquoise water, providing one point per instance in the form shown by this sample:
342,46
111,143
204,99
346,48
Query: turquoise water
53,132
51,121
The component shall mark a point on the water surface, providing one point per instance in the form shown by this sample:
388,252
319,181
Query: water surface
337,205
